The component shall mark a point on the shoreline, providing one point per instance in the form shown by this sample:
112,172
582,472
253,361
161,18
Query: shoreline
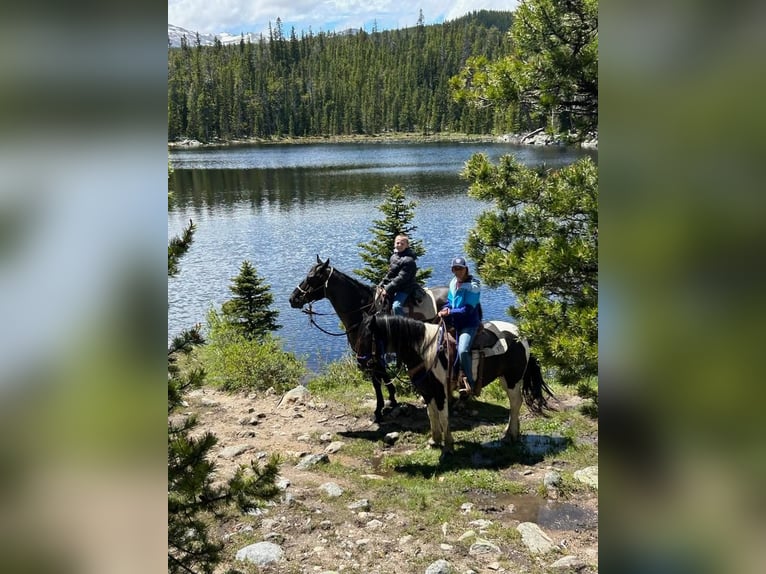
387,138
394,137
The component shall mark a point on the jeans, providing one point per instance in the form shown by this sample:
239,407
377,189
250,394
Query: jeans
464,352
397,306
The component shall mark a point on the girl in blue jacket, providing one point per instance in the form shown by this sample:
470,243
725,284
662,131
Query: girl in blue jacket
462,312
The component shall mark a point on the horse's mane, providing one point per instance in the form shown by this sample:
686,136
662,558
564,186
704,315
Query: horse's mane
355,282
405,335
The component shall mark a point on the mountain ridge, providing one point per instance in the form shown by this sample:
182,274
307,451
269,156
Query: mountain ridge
176,33
501,19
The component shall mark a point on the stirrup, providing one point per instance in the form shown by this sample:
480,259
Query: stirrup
464,389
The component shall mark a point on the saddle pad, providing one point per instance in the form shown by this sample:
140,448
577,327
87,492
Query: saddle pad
500,345
425,306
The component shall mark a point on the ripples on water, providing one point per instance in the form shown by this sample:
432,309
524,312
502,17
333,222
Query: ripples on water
280,206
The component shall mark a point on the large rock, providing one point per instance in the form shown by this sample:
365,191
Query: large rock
296,396
312,460
260,553
234,450
567,563
482,547
440,567
588,475
331,489
534,538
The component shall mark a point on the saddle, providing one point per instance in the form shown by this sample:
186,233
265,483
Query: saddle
488,342
421,304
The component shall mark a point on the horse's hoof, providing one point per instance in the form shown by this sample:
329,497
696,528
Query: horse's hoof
433,444
390,408
509,439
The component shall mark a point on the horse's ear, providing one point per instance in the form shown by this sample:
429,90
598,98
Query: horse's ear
318,260
326,263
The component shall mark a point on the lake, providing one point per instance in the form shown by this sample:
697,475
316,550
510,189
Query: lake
279,206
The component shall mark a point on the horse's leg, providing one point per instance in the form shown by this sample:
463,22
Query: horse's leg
514,396
441,407
449,443
378,398
379,373
391,393
433,419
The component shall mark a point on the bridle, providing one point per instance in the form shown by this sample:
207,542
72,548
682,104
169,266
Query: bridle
311,313
306,292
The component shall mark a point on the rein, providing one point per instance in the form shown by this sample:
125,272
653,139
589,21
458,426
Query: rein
440,332
311,313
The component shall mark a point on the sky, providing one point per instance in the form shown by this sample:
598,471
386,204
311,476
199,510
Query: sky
243,16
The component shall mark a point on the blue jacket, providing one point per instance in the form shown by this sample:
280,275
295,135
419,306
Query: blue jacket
463,301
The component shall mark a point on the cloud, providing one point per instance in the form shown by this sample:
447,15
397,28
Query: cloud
236,16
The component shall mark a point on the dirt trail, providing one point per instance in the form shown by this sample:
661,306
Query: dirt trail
321,534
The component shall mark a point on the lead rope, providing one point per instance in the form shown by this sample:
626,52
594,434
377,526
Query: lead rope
448,348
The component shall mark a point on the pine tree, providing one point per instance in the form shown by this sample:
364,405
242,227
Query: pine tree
550,77
377,252
542,241
249,309
193,499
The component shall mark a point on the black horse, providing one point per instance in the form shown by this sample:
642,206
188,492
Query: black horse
423,348
352,301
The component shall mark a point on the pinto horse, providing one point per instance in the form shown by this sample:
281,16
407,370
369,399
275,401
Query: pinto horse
352,301
422,347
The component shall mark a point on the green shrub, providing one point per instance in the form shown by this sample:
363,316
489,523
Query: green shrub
341,374
234,362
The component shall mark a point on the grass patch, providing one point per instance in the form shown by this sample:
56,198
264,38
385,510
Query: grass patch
341,375
337,469
427,499
486,480
342,382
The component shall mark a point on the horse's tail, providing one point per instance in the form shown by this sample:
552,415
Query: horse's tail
535,388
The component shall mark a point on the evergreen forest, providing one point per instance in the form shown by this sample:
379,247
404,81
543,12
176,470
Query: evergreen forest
332,84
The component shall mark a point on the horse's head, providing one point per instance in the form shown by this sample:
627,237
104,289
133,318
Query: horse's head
313,287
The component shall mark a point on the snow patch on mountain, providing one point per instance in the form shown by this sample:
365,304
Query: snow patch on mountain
175,33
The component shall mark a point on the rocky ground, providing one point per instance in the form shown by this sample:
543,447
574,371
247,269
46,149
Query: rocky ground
338,511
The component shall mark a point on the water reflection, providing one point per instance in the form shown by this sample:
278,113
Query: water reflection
289,188
548,514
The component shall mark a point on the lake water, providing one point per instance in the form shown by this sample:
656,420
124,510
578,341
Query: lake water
281,205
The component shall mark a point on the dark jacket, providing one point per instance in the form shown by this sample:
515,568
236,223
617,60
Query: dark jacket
401,273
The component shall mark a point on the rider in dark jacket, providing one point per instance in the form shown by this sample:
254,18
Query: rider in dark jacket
400,280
